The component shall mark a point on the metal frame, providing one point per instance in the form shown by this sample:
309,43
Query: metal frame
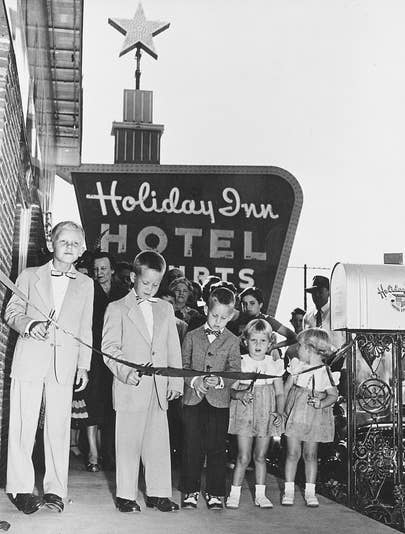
375,451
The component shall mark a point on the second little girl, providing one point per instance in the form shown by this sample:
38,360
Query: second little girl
311,393
256,410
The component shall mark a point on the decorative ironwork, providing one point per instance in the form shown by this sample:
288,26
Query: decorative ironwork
374,395
375,473
373,346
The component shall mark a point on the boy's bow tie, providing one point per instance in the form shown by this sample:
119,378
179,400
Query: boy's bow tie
139,300
69,274
210,332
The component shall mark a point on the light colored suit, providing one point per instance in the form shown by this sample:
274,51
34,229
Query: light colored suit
141,424
45,366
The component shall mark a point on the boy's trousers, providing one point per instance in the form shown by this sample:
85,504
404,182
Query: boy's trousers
143,435
25,404
205,429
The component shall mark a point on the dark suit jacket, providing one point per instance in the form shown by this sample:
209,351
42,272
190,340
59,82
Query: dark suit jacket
221,355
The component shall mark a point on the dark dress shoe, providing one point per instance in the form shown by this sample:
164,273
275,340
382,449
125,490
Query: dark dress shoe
163,504
93,468
126,505
53,502
27,502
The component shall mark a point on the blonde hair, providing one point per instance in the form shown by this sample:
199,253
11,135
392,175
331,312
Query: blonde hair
316,340
258,326
66,225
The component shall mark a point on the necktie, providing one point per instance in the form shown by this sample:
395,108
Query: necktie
318,318
69,274
210,332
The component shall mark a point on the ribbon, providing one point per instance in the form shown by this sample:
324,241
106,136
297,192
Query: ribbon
147,369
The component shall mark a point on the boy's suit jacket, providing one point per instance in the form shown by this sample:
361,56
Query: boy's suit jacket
222,354
126,336
32,358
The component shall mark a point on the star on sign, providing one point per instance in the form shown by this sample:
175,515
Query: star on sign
139,32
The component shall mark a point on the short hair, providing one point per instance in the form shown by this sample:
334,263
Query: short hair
221,295
254,292
196,288
298,311
66,225
181,280
121,265
228,285
257,326
149,259
206,287
165,292
98,255
317,340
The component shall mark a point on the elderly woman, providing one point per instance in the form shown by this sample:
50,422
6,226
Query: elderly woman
182,288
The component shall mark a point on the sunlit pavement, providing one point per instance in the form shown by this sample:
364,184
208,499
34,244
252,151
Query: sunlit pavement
90,509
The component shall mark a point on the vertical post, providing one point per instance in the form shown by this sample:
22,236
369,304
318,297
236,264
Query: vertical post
138,68
305,285
350,392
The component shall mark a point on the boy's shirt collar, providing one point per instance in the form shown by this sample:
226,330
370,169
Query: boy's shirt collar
207,327
71,273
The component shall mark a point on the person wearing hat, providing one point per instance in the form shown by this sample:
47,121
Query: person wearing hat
320,316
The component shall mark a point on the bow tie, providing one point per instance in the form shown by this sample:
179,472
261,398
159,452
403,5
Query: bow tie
69,274
139,300
210,332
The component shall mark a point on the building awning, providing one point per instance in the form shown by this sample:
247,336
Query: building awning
65,23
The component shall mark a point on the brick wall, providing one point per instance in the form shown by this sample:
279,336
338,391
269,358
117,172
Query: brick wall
12,191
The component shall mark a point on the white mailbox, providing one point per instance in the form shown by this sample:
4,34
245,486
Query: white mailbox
367,297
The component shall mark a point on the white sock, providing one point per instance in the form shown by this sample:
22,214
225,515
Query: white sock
289,488
259,489
235,490
309,489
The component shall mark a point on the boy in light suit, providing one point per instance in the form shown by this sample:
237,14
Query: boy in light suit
45,364
210,347
142,329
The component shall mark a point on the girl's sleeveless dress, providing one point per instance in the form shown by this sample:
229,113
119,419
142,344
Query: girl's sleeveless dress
254,419
303,421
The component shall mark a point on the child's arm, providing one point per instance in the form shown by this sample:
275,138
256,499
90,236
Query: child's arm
196,382
85,332
112,344
329,400
279,390
288,385
16,313
175,384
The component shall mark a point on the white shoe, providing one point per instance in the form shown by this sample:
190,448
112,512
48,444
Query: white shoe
311,501
263,502
232,501
190,500
287,499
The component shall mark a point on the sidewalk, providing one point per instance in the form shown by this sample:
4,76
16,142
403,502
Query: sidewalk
90,510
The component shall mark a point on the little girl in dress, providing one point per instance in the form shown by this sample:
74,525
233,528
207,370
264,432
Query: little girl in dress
256,410
308,410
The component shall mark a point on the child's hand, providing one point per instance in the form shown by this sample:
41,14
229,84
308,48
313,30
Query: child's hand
315,402
245,397
200,387
277,418
39,331
211,381
133,378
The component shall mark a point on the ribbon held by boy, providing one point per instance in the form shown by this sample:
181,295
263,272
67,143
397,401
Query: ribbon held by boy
148,369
